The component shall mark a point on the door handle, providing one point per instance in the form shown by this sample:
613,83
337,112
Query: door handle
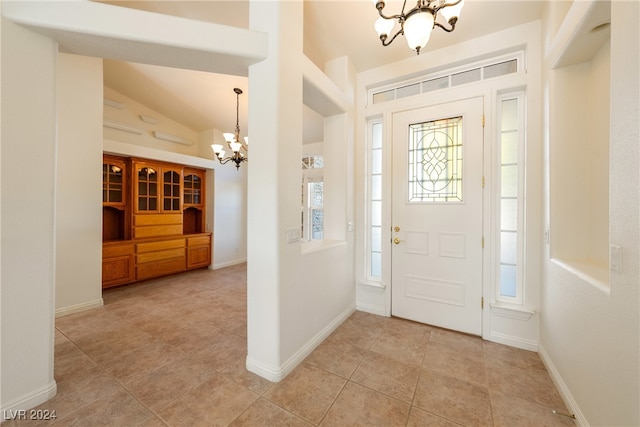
397,241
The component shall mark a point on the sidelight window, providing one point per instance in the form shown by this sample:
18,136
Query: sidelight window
374,201
511,197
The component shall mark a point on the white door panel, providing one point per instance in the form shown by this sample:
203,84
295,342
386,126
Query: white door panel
437,212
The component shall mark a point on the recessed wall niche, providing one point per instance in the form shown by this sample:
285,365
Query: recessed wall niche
579,139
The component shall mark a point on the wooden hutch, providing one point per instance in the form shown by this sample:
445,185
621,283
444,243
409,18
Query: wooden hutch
153,219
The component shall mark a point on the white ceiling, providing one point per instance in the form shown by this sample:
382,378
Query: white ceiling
332,29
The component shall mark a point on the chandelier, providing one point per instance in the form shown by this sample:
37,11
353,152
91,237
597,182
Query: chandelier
233,141
417,23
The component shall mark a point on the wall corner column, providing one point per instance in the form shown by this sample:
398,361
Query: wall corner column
275,128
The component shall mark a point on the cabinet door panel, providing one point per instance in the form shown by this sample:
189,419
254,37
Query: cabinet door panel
117,270
172,194
146,187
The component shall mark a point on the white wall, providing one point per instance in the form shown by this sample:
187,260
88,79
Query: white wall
294,300
27,213
227,202
589,336
78,184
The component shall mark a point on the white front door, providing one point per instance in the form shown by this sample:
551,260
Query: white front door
437,215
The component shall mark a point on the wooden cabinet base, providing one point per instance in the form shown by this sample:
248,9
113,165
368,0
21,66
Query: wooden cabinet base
117,271
148,270
134,260
198,251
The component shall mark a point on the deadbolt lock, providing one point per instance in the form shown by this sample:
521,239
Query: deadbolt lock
396,228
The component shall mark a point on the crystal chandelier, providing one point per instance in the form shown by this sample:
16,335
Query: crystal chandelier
233,141
417,23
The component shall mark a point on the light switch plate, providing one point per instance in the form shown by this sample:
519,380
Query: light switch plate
615,258
293,235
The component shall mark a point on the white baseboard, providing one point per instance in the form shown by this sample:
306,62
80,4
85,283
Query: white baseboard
564,391
513,341
64,311
373,309
217,266
266,372
277,375
15,409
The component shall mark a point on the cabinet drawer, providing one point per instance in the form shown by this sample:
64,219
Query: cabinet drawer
160,255
162,219
198,240
113,250
160,268
157,231
159,246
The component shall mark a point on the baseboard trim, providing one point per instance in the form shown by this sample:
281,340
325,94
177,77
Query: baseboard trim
513,341
277,375
217,266
15,408
65,311
562,387
373,309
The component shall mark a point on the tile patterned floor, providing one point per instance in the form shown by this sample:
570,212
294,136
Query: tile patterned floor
171,352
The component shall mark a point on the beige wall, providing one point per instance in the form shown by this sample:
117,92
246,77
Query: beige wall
28,212
589,335
78,184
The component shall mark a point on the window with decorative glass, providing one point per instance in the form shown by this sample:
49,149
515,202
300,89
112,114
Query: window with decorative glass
435,161
510,277
312,213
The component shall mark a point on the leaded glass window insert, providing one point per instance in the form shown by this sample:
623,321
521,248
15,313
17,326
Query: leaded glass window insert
435,161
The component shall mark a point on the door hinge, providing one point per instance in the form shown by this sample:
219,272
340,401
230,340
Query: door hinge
482,242
483,120
483,181
482,302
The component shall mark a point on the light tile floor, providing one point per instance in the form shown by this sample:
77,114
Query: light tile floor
171,352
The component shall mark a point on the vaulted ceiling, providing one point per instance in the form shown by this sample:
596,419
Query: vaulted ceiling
332,29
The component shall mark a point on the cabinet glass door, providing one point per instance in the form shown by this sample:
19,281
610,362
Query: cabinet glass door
112,184
171,195
147,189
192,190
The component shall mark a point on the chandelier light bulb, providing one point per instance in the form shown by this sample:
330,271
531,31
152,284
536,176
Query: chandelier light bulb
217,148
452,12
417,30
384,26
228,136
